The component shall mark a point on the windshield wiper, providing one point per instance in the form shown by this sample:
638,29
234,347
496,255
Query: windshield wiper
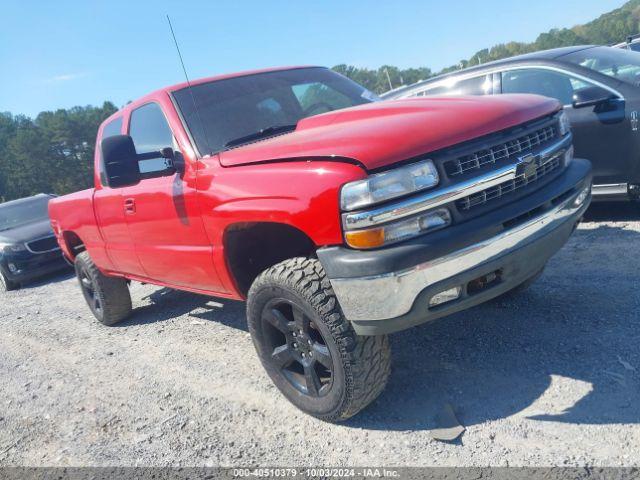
260,134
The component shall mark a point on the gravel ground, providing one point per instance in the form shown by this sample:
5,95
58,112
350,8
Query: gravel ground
550,377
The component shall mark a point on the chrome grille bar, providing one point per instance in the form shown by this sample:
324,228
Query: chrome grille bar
507,187
502,151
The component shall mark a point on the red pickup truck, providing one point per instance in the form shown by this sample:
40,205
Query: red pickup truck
338,218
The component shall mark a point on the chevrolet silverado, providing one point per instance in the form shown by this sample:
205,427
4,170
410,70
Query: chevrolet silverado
338,218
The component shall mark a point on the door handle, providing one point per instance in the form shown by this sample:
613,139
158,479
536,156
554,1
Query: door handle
129,206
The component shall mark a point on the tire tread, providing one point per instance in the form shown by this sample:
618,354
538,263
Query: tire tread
113,292
366,360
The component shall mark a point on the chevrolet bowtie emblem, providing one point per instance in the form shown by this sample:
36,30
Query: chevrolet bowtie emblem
527,166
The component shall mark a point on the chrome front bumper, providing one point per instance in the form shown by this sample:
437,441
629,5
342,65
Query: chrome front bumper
391,295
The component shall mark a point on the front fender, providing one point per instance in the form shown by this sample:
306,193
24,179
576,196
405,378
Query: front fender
301,194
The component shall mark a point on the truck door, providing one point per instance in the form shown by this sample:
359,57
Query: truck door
107,203
163,213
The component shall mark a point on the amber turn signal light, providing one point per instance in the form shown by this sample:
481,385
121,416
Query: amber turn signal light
372,238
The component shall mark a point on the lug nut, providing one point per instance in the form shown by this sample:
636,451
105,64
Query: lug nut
302,354
309,342
311,354
295,345
294,334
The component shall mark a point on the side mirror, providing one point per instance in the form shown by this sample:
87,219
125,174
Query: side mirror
120,161
591,97
124,167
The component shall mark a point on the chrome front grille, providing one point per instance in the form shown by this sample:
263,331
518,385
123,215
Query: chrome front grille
499,191
503,151
43,245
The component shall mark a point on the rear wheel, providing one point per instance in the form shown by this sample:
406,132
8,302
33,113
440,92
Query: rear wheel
107,297
6,284
308,348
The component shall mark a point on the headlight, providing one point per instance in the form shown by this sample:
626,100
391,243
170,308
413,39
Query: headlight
565,126
397,231
12,247
385,186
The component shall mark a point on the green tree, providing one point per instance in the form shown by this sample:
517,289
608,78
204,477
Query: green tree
8,127
53,153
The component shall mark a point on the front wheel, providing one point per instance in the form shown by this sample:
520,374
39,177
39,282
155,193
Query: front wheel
308,348
107,297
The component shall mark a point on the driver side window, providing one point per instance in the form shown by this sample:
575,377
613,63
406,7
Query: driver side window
151,133
548,83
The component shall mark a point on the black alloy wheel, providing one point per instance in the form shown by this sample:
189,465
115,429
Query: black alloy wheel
107,297
89,291
298,348
307,346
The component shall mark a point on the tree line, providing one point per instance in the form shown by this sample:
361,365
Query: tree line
53,153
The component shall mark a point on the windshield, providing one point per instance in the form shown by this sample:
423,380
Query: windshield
617,63
243,109
33,210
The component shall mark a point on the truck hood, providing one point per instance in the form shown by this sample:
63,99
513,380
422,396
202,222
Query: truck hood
382,133
26,233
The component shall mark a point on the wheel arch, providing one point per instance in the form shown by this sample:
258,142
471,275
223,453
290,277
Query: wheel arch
72,244
252,247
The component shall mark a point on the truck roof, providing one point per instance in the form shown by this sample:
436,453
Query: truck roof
198,81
